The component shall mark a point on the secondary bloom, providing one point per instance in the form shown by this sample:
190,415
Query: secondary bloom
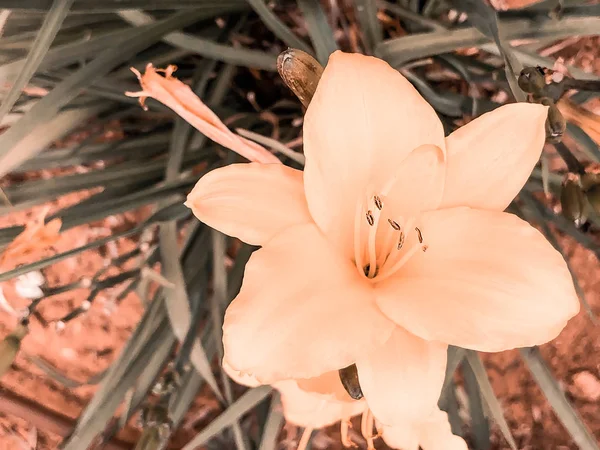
390,245
322,401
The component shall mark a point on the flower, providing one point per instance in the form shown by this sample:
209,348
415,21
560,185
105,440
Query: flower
322,401
390,245
181,99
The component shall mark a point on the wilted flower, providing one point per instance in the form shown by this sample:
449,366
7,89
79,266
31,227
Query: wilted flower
181,99
391,244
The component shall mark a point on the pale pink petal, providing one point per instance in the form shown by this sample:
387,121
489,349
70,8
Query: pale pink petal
435,434
431,434
181,99
312,410
302,311
363,121
401,436
417,184
240,377
402,379
490,158
252,202
328,383
489,281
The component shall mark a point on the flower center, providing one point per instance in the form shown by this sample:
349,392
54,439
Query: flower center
380,239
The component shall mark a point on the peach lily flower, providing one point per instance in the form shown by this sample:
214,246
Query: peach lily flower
390,245
322,401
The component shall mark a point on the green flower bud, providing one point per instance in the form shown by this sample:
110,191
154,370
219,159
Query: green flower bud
572,200
300,72
556,124
532,80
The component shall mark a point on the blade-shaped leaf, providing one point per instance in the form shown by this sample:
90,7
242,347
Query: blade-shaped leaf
555,395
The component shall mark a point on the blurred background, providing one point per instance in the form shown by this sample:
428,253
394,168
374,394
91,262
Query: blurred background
112,295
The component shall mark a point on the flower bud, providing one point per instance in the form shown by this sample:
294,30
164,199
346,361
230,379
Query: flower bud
9,347
532,80
300,72
572,200
349,379
555,123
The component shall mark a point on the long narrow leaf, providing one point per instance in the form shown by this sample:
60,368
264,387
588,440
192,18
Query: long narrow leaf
555,395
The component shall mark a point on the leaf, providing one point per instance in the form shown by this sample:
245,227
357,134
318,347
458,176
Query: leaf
485,19
366,12
52,23
399,51
11,152
278,28
177,303
319,30
488,394
555,395
273,144
237,409
206,47
479,423
273,425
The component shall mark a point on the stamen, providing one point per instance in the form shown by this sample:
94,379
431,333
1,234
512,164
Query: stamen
372,250
395,225
419,234
425,247
366,428
370,218
378,202
358,253
305,438
391,270
345,425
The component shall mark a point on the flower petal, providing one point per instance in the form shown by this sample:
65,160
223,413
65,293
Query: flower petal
402,379
489,281
328,383
312,410
490,158
363,121
302,310
432,434
181,99
252,202
435,434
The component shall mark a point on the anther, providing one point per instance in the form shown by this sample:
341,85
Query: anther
425,248
395,225
378,203
370,218
419,235
401,241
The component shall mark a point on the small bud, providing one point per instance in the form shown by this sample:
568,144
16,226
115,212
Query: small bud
532,80
9,347
572,200
556,124
300,72
349,379
590,183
